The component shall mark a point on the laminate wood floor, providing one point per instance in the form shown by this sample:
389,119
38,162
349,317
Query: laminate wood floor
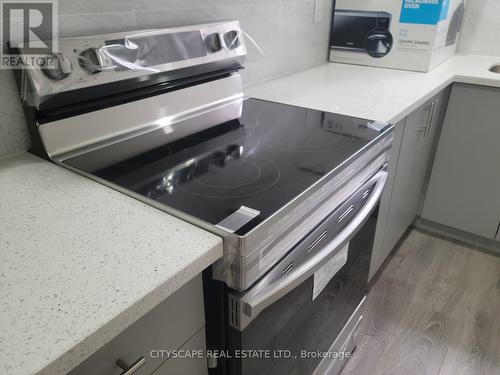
435,310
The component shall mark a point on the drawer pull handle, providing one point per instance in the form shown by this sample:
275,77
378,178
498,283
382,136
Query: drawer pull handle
130,369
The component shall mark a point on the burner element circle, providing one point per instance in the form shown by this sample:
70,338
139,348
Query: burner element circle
226,178
251,175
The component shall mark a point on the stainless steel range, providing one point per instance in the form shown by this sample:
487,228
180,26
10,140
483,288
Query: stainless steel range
161,116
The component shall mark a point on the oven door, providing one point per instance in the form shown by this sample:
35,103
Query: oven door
311,300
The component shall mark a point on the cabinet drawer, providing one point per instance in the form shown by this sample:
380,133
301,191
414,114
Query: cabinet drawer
187,366
168,326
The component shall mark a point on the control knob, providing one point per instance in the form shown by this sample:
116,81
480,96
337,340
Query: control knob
90,60
232,39
213,43
58,67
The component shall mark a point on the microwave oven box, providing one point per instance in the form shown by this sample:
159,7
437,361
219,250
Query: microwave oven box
401,34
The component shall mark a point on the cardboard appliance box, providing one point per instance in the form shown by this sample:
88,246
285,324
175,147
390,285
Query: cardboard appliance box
401,34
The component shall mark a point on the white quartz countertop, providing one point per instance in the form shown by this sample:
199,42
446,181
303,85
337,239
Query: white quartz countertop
386,95
80,263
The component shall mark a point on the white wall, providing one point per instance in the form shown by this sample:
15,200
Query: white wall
284,29
481,28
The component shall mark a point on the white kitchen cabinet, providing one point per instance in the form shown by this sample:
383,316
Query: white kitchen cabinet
191,358
168,326
380,252
415,141
464,189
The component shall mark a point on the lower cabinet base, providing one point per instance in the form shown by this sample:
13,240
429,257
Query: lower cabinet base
458,235
390,254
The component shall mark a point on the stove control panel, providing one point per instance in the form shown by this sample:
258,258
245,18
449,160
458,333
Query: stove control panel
89,61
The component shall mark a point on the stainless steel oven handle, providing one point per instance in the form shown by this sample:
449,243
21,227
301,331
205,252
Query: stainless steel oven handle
265,294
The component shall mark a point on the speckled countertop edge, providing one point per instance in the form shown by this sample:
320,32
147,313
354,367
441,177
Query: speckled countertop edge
80,263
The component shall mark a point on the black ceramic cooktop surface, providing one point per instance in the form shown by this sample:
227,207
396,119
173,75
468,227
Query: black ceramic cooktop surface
262,161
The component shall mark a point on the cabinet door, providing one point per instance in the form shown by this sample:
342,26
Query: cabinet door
464,190
435,111
406,191
409,171
194,364
385,229
167,326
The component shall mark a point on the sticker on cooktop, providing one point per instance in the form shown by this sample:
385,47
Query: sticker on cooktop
238,219
323,276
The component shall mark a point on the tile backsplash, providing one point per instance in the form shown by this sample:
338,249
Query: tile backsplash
14,136
479,32
288,34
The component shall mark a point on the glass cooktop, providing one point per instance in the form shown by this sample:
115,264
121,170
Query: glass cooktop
260,161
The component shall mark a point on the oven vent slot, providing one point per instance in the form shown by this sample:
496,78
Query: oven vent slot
366,193
233,312
346,213
287,269
317,241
